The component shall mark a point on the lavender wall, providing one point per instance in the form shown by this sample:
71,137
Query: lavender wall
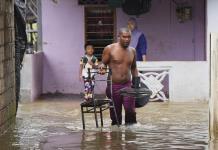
169,40
63,39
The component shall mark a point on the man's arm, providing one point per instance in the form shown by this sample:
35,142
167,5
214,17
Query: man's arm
106,55
134,70
105,60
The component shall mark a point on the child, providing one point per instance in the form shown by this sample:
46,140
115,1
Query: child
89,61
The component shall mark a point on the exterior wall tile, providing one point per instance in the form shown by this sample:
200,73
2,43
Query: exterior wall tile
7,65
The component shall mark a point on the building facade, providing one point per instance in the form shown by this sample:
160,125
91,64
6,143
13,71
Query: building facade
7,65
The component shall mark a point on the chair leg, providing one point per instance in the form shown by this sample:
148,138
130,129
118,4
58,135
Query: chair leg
101,117
83,119
96,118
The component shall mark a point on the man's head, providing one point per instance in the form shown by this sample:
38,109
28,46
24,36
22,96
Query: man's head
124,37
132,24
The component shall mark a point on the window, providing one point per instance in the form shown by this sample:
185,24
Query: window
99,27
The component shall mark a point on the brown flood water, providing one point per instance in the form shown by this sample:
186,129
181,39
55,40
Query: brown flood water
54,123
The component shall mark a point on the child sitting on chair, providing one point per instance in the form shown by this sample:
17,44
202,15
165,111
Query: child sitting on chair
88,63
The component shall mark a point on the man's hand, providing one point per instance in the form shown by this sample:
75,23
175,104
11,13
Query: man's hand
102,69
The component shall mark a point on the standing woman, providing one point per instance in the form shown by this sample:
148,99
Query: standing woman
138,40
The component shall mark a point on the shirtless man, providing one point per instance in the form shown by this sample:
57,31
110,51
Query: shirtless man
121,59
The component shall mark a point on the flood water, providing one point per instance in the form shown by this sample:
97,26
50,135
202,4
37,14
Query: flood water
54,123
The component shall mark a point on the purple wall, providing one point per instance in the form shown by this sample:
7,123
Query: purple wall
169,40
63,39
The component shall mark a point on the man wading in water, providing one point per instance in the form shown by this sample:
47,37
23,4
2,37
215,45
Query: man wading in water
121,59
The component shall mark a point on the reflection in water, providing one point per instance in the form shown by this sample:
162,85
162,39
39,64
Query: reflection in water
115,140
130,139
56,124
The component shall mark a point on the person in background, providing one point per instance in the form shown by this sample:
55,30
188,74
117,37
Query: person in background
138,40
88,63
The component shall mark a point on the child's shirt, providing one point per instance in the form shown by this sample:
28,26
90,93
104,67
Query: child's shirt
84,61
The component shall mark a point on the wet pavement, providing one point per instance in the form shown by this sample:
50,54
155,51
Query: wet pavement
54,123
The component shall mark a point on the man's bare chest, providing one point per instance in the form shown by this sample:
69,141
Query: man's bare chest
121,58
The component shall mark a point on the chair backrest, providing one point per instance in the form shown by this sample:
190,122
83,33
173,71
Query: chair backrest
102,83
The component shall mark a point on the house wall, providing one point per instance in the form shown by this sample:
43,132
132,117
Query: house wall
169,40
37,73
63,40
212,21
7,65
188,81
31,77
212,16
26,74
